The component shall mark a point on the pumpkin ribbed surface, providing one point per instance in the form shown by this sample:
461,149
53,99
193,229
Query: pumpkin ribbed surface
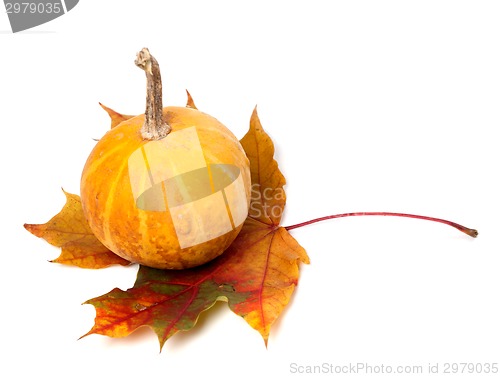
172,203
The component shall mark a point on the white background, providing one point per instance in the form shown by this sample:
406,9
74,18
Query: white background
372,105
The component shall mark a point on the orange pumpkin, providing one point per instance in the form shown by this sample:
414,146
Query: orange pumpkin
170,194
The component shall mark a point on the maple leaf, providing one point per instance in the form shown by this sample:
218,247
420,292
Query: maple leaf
70,231
116,117
256,275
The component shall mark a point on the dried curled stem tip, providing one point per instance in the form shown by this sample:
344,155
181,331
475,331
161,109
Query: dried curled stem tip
143,60
154,127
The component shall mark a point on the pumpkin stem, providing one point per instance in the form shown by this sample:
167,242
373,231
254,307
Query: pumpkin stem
154,127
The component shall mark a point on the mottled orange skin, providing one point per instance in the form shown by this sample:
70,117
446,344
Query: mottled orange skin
148,237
